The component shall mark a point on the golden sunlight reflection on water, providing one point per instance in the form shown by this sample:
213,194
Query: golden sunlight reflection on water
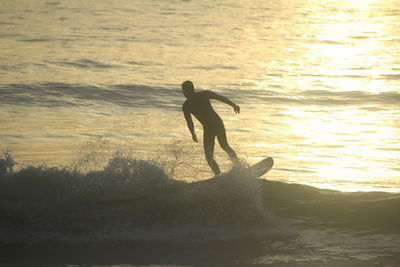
297,68
353,144
339,144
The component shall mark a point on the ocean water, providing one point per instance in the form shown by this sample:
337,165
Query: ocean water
132,213
90,113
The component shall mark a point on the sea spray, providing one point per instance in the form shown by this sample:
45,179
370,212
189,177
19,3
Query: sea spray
7,163
129,199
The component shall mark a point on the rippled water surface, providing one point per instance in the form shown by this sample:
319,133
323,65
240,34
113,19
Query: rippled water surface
95,86
317,82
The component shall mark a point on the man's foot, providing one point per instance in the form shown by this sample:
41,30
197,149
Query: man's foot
217,173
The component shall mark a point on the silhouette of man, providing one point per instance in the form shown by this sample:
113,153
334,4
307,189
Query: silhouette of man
199,105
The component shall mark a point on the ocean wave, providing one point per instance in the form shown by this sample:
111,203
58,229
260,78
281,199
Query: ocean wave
62,94
216,67
378,211
322,98
85,64
135,200
129,199
136,95
35,40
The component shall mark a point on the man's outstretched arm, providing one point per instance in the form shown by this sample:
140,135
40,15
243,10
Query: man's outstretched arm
189,121
225,100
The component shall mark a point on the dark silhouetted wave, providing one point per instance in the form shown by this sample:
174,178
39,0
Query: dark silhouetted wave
134,200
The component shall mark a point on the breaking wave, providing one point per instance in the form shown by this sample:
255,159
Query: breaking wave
135,200
130,200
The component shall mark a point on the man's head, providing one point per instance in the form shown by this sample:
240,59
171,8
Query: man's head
188,89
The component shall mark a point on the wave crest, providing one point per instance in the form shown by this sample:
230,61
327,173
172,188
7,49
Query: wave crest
129,199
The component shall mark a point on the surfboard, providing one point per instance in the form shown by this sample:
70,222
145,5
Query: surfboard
261,167
258,170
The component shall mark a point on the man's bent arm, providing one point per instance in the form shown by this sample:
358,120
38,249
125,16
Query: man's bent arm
225,100
189,122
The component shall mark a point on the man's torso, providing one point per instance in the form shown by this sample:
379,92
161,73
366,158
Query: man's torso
199,105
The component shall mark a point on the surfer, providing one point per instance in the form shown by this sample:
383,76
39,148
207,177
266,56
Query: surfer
199,105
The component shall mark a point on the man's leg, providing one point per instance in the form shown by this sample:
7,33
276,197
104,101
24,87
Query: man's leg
208,143
223,142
